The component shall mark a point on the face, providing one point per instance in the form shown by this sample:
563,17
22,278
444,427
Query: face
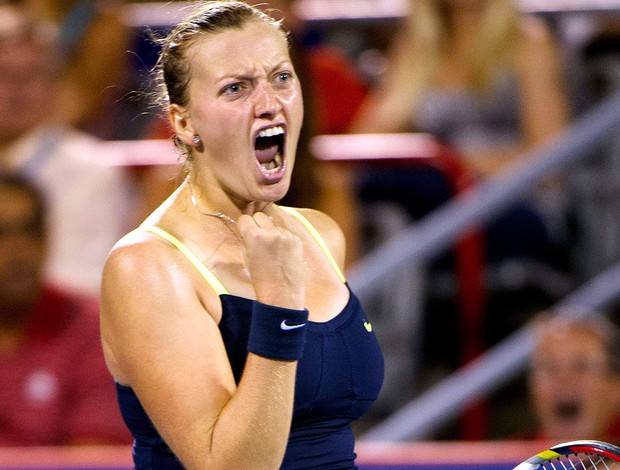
246,105
26,78
21,249
573,391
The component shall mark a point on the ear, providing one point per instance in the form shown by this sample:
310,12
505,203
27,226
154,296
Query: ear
181,123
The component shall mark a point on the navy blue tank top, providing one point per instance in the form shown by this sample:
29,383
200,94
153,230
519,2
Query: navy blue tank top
338,378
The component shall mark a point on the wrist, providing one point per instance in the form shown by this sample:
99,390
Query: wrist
277,332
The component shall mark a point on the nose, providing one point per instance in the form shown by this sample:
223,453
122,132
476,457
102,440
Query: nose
267,104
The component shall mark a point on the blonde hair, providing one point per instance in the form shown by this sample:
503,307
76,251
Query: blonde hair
426,31
173,68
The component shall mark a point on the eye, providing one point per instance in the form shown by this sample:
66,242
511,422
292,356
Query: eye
283,78
232,89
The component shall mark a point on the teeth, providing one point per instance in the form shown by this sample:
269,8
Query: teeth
277,130
273,165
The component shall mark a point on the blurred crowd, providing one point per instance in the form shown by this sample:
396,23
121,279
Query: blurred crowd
480,76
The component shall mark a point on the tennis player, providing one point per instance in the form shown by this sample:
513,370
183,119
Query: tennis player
227,323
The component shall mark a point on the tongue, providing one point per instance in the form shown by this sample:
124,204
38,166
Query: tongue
265,155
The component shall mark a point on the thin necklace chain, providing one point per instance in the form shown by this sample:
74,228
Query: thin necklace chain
218,215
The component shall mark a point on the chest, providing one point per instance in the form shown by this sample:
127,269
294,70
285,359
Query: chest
326,293
341,370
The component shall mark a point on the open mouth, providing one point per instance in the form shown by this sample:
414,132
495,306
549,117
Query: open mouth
567,410
269,148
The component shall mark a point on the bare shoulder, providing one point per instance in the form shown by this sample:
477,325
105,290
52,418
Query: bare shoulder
148,287
329,230
131,255
140,268
326,226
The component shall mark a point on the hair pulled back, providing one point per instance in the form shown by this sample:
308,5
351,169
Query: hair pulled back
173,68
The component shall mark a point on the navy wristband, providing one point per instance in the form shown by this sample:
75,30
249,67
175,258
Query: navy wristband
277,332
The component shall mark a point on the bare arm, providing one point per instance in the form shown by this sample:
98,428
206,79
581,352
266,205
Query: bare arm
160,339
412,62
544,101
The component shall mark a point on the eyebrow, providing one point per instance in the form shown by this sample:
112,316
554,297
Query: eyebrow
252,75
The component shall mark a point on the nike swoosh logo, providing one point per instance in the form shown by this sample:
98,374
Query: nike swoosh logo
285,326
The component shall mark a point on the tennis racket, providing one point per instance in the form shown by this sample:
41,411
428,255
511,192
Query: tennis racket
582,455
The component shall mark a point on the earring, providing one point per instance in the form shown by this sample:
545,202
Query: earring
196,139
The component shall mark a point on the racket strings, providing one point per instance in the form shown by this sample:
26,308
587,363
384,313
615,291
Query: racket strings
581,461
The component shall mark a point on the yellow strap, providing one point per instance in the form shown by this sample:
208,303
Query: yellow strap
214,282
317,236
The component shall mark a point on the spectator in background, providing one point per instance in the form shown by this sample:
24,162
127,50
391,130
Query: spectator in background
489,82
574,379
478,74
95,93
92,51
90,204
55,387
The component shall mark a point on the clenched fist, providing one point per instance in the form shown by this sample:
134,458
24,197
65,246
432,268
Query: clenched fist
275,260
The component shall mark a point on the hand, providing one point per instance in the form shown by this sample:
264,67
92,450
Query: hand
275,260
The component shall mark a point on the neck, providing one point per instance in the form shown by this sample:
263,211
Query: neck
227,211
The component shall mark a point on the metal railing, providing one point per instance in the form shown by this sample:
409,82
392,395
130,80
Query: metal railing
428,412
436,232
369,10
164,13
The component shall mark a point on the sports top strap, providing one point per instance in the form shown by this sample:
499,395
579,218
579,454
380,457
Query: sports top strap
317,236
213,281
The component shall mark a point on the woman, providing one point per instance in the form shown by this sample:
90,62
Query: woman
226,321
489,82
478,74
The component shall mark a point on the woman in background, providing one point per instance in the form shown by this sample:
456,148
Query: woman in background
477,74
487,81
